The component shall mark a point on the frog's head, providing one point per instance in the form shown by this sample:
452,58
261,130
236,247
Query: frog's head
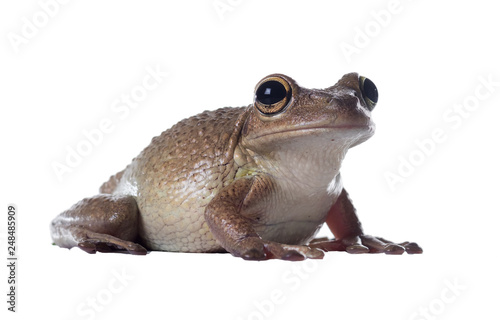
287,116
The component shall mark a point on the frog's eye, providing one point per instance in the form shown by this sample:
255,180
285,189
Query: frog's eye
272,95
369,91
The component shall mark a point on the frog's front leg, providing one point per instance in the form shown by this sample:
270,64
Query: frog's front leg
345,226
105,223
235,232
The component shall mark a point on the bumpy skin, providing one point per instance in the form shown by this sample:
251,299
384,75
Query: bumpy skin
239,180
178,174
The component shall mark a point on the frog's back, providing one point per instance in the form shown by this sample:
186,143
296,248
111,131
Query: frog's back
177,175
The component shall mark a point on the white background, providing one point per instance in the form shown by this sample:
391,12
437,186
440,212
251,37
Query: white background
426,57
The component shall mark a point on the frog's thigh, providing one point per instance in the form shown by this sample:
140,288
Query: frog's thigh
103,223
345,226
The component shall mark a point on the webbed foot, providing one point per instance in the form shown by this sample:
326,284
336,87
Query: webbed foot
97,242
258,249
367,244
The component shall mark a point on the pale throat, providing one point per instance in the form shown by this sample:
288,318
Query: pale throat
311,167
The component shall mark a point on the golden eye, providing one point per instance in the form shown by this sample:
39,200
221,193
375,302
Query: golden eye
369,91
272,95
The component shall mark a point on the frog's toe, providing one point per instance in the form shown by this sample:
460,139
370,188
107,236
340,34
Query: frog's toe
254,254
367,244
106,243
91,246
88,247
130,247
357,248
292,252
314,253
379,245
412,247
350,244
292,255
328,245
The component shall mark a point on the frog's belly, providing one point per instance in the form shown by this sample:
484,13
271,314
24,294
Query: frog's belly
188,232
177,230
172,209
293,221
182,227
174,220
294,218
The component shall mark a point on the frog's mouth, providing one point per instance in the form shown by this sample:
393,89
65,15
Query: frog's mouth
305,130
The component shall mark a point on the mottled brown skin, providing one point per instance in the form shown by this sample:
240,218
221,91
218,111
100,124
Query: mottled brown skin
256,181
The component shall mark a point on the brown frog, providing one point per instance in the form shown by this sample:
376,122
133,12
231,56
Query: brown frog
256,181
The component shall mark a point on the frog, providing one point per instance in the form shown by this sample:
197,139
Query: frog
257,181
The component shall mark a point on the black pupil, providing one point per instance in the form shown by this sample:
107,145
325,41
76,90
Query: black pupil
270,92
370,90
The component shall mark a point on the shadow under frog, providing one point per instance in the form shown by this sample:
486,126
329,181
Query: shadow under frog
256,181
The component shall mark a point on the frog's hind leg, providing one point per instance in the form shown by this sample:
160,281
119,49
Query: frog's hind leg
345,226
104,223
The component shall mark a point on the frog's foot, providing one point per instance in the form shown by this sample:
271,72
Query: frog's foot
254,248
291,252
104,223
92,242
367,244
